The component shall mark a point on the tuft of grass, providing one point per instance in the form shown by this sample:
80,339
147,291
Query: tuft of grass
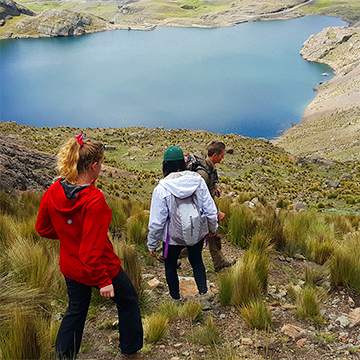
326,337
129,262
226,287
205,335
273,226
191,310
242,225
169,309
19,338
308,305
313,276
155,326
136,230
245,284
344,263
36,264
118,217
261,264
256,315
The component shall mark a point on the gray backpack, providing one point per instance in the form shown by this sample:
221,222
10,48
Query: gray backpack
187,225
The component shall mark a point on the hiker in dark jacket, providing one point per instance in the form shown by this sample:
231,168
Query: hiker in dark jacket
216,152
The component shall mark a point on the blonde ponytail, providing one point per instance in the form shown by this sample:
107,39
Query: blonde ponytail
77,156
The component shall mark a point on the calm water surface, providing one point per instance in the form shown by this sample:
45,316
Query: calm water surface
248,79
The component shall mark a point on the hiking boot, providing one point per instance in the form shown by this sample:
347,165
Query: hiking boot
225,265
177,301
204,300
136,356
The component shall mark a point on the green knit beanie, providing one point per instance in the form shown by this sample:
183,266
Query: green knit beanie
173,153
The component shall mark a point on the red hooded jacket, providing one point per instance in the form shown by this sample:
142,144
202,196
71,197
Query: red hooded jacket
86,253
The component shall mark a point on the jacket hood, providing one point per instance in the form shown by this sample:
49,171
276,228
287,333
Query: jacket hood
181,184
68,198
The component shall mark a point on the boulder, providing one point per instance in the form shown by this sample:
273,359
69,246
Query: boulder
23,169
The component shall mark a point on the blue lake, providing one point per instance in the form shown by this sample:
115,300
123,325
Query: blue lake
248,79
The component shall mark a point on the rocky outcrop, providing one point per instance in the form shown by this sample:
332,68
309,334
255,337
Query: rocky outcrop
55,22
338,47
23,169
9,8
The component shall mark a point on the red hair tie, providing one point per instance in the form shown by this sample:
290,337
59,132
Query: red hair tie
80,139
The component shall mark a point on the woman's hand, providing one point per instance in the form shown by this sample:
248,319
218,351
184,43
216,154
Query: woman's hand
107,291
152,254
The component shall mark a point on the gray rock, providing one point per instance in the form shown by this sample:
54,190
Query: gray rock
329,38
11,8
55,22
342,321
300,206
346,177
331,183
24,169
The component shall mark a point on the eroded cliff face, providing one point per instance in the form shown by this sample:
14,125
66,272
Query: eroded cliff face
9,9
17,21
24,169
331,123
55,22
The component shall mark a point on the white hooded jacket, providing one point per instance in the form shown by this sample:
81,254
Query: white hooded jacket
182,185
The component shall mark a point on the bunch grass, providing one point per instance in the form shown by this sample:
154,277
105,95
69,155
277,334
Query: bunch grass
155,326
308,305
256,315
205,335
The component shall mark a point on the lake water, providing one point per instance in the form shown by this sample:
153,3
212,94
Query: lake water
248,79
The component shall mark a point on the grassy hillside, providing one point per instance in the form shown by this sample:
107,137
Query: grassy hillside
255,168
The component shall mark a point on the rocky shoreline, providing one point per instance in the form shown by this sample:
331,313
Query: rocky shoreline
329,126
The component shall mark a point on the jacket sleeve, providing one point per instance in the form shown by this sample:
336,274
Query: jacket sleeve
159,214
93,239
209,206
44,225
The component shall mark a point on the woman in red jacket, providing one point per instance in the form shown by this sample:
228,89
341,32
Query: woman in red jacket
75,211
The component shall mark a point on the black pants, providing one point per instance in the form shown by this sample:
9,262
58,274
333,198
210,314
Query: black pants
195,258
71,329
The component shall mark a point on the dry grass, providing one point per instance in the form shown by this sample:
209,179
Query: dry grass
155,326
256,315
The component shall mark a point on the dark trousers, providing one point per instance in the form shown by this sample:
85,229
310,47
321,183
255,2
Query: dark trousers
215,251
71,329
195,258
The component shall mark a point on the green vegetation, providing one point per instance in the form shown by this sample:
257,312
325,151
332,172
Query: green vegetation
308,305
329,241
256,315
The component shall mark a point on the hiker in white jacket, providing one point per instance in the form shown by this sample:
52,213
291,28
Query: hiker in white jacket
180,183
